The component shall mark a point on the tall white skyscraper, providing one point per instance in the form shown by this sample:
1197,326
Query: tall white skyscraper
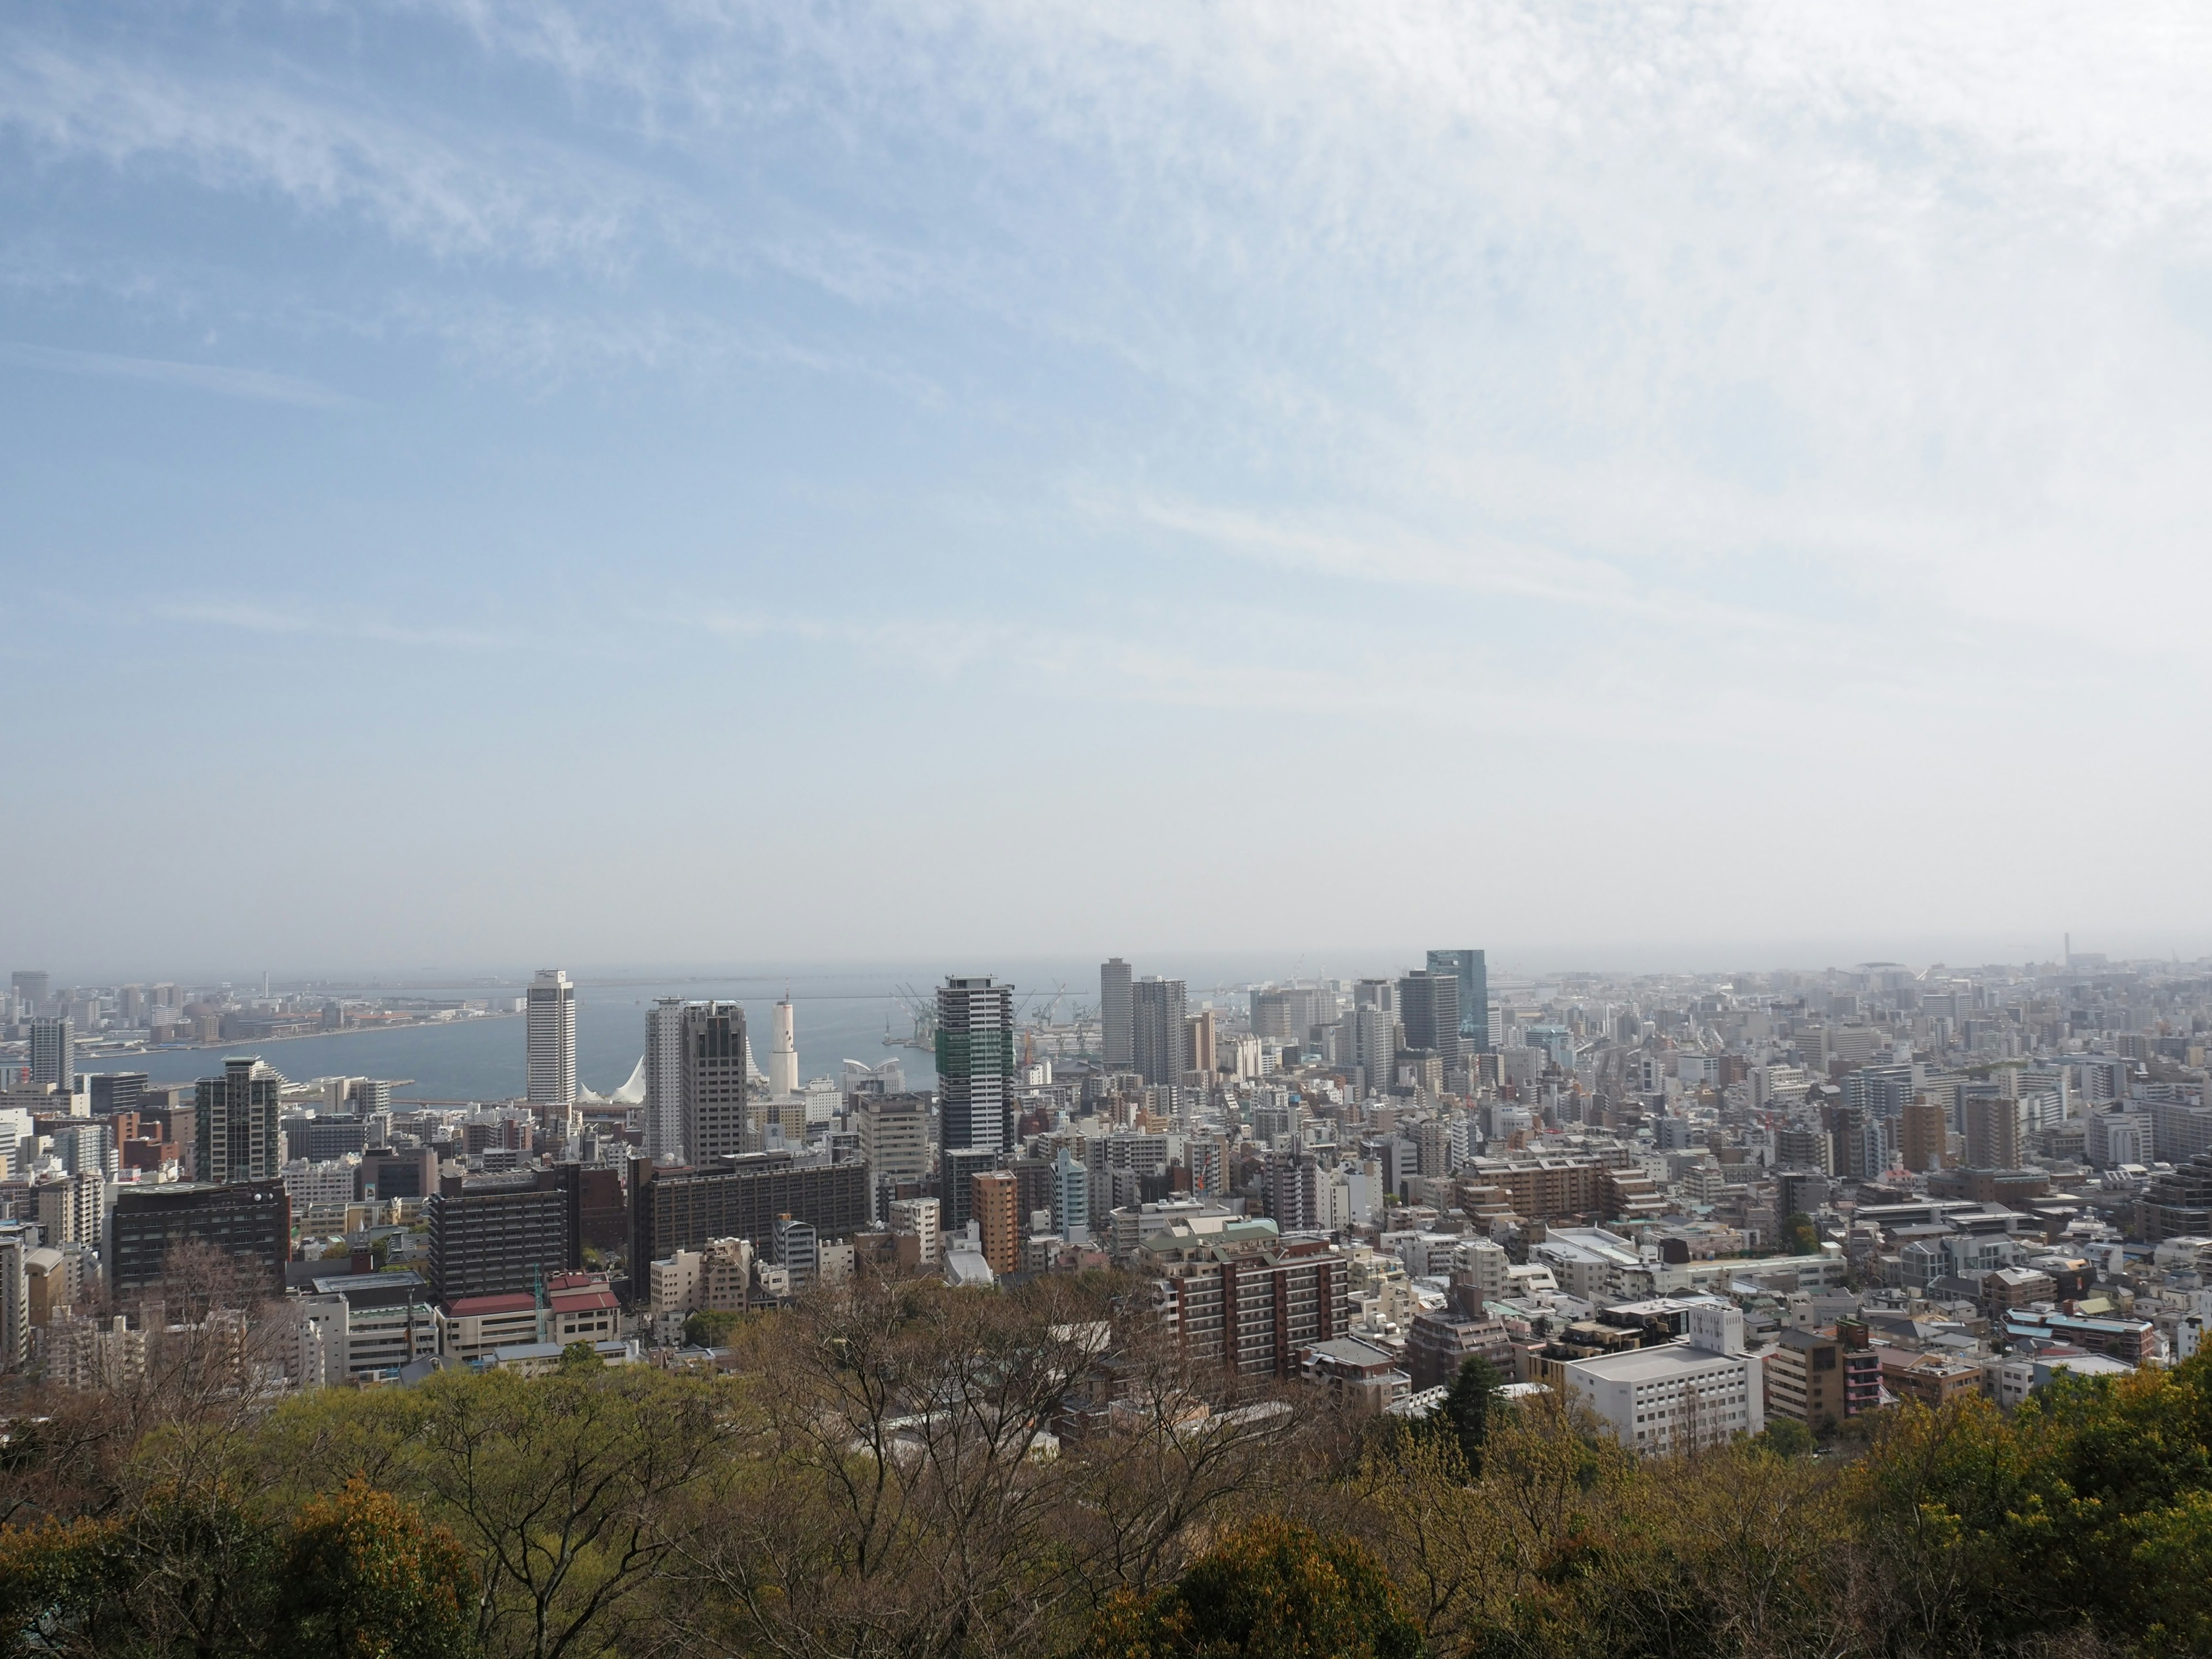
664,1081
551,1039
783,1057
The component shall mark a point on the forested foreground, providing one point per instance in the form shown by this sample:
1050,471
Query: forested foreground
882,1477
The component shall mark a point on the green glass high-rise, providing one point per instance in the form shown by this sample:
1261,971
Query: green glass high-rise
1472,973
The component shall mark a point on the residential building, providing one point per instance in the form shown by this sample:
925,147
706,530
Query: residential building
1357,1373
996,1207
1242,1297
798,1251
1114,1014
663,1080
894,1131
237,1122
1926,1135
18,1241
1816,1378
550,1039
918,1218
1160,1016
975,1070
53,1055
1441,1339
1992,1133
1201,1042
1071,1198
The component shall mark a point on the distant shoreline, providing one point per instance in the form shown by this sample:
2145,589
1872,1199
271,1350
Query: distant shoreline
240,1043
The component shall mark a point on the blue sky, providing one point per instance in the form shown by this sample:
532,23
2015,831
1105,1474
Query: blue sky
711,481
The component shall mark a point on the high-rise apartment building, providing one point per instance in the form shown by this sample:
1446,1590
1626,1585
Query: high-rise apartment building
31,988
1925,1135
1202,1044
237,1123
1070,1197
53,1053
1470,971
1992,1133
975,1064
712,1080
664,1081
1159,1016
1113,981
1428,1008
550,1038
1372,1044
894,1131
995,1200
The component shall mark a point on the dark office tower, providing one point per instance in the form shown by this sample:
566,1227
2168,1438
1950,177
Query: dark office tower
673,1210
251,1222
712,1086
1428,1008
53,1055
1376,994
1472,974
1114,1012
501,1233
975,1064
30,988
1158,1030
957,1169
117,1092
235,1119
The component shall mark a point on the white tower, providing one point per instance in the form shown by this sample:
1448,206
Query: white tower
549,1040
663,1080
783,1058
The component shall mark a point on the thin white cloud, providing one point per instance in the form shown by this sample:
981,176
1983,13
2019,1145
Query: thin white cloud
458,194
254,617
256,385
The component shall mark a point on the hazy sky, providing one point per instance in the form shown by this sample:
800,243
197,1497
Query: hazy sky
492,482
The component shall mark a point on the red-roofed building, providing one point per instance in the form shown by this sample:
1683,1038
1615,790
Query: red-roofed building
471,1329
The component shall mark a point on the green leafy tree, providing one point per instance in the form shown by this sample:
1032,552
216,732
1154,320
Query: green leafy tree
580,1357
1270,1589
367,1578
1466,1412
710,1328
1785,1437
1799,1235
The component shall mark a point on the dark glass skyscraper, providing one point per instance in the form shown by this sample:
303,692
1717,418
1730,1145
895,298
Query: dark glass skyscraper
1472,974
1428,1008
